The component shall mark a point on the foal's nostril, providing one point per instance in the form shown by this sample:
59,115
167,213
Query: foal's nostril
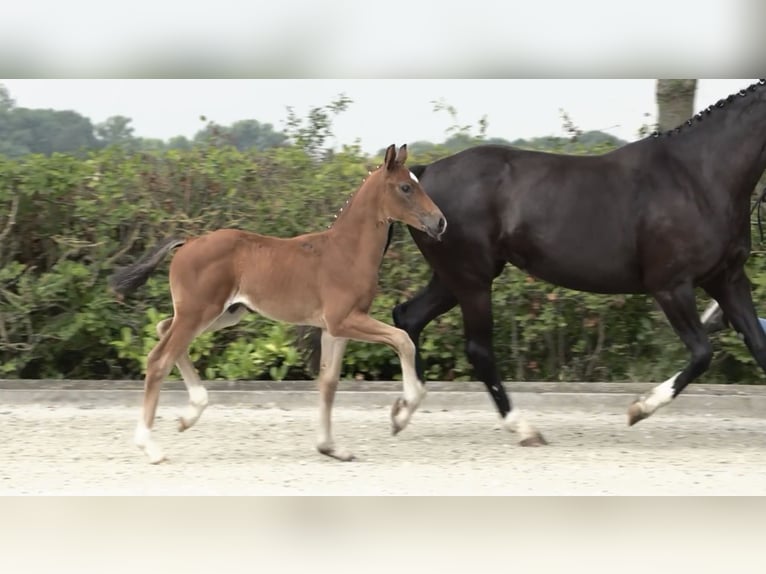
442,225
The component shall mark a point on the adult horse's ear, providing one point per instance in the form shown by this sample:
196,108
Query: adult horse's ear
390,160
401,155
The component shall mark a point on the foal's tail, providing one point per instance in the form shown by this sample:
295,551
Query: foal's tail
126,280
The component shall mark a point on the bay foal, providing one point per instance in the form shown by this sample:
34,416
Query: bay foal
326,280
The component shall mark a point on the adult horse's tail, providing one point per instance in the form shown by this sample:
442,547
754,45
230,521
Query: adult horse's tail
126,280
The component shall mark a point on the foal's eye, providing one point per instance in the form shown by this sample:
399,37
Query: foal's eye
405,187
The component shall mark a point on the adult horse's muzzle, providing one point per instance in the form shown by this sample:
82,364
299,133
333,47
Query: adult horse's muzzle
434,225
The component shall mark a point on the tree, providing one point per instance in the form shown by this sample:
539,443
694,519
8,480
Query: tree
179,142
246,134
243,134
24,130
311,133
675,102
6,102
116,130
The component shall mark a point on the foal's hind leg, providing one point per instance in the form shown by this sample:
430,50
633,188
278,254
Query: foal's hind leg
329,376
680,308
413,315
198,397
176,339
197,392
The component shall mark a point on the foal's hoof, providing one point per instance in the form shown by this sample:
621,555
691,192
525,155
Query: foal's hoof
154,454
636,413
396,426
534,440
185,423
338,454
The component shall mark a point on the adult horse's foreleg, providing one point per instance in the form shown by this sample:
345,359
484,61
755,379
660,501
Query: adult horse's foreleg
681,310
413,315
476,306
362,327
329,376
732,291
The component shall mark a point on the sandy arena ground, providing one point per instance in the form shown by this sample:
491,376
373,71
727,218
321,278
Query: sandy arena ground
64,449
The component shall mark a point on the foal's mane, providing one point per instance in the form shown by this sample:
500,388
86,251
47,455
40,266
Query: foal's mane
349,200
347,204
698,117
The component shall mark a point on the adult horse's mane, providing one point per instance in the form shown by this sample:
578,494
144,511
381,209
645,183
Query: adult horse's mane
713,108
699,116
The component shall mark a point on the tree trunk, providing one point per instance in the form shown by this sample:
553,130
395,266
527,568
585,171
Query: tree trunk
675,102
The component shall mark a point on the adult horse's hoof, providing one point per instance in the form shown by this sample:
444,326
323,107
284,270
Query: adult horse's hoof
534,440
636,413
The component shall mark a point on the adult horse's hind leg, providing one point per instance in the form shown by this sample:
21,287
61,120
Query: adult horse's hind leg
732,291
413,315
329,376
680,308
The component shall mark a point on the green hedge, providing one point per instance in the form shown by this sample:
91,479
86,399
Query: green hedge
66,222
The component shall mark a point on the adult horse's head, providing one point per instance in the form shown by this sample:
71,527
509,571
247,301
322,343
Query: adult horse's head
403,198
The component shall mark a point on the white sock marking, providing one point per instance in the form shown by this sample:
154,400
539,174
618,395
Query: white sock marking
198,395
197,402
515,421
660,395
708,313
143,440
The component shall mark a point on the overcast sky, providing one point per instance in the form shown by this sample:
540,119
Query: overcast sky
383,111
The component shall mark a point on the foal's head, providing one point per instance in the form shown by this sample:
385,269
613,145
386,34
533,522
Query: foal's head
402,197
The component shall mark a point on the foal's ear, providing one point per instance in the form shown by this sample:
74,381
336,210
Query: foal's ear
390,160
401,155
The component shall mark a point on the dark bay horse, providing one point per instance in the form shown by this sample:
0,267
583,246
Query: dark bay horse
326,280
658,216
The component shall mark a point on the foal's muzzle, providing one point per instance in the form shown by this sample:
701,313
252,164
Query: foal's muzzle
434,226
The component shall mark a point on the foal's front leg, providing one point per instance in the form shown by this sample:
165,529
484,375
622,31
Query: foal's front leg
362,327
329,376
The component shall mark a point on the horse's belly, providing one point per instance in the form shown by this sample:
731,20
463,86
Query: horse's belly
599,275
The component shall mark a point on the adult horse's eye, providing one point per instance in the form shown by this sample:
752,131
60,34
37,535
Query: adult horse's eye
405,187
